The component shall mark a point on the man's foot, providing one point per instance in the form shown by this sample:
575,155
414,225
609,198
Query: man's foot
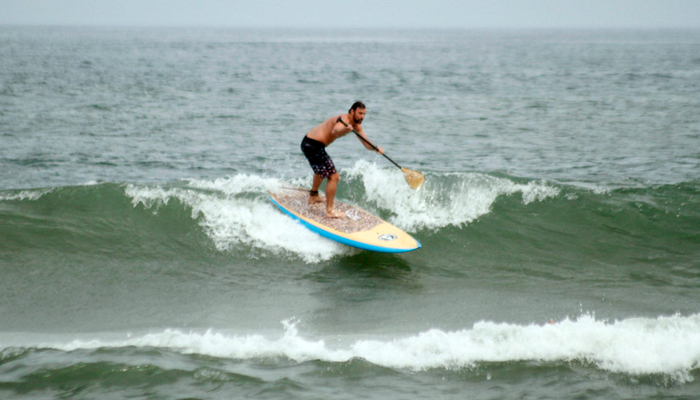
316,199
335,214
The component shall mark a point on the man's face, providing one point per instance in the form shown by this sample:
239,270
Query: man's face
358,115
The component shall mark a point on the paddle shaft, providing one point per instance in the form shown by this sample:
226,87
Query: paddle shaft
369,143
376,149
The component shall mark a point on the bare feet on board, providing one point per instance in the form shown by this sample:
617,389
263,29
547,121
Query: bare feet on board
335,214
316,199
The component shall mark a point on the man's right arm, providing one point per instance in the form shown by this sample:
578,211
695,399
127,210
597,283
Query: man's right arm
340,128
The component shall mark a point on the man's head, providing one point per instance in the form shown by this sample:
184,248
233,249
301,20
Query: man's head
357,112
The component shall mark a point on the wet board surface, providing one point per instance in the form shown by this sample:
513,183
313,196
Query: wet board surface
358,229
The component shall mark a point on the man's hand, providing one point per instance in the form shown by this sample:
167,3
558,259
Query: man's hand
347,128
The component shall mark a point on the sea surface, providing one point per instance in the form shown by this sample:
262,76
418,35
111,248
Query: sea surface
141,258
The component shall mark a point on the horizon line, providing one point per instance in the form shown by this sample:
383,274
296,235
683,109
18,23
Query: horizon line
355,28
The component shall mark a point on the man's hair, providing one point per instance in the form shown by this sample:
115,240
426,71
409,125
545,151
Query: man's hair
356,105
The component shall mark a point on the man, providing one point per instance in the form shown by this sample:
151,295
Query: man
314,148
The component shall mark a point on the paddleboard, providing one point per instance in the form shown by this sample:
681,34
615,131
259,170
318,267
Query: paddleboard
358,229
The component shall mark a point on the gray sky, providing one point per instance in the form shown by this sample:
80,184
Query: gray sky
357,13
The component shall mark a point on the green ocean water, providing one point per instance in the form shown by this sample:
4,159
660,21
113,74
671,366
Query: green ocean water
560,220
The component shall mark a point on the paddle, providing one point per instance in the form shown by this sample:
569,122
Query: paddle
414,178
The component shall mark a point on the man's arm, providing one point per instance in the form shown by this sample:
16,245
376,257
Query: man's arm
361,133
366,142
340,128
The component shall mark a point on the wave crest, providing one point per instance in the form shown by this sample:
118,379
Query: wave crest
667,345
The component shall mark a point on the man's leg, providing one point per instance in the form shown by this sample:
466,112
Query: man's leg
331,186
313,196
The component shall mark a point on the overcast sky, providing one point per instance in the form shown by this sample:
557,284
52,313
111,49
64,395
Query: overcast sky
358,13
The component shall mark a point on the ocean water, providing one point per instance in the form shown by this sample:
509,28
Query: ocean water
560,220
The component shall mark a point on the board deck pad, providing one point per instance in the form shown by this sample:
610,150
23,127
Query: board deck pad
355,220
359,228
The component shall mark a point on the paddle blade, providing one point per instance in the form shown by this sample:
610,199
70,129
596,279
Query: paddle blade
414,178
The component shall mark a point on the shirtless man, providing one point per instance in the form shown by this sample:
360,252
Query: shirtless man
314,148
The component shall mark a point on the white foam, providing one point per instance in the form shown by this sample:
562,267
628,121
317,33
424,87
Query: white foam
31,195
668,345
236,184
231,219
453,199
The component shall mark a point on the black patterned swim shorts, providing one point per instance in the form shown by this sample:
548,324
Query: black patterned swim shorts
319,160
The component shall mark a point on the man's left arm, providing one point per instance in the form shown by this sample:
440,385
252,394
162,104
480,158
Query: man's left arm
366,142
